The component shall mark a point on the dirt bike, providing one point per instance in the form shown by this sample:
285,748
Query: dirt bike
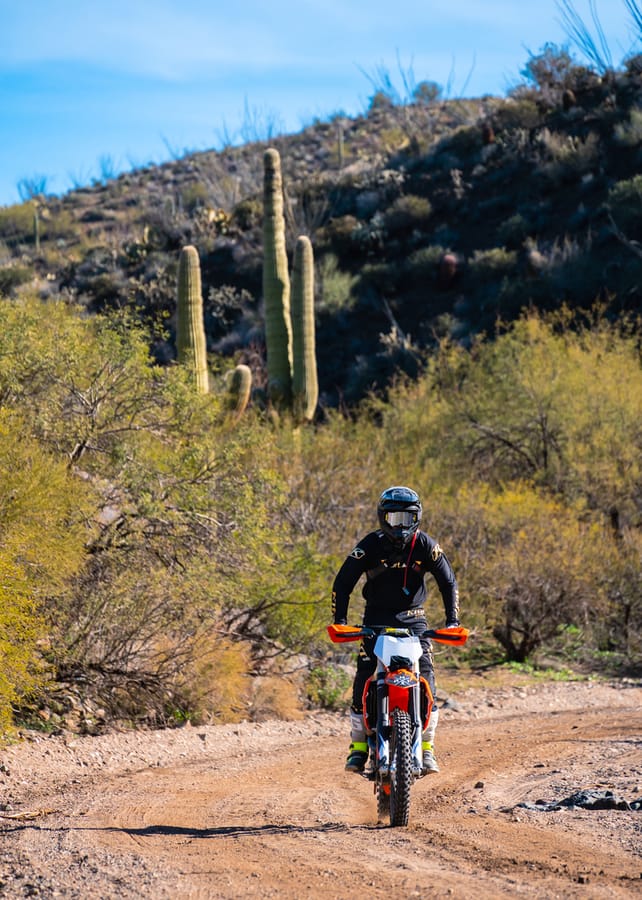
397,702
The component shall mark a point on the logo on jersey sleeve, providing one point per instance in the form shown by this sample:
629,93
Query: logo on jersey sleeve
436,552
358,553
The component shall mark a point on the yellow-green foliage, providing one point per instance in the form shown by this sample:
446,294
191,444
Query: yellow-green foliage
538,565
336,285
215,686
136,527
16,222
525,449
42,547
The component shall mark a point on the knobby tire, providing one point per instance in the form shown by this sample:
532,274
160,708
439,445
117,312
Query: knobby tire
401,773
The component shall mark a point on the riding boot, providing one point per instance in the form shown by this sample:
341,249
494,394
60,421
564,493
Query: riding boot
358,755
428,743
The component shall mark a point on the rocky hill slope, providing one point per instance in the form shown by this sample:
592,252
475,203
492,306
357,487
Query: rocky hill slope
428,220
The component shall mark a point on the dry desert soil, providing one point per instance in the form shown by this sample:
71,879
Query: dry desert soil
260,810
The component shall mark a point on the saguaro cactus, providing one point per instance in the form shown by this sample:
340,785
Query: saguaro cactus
239,390
305,385
190,330
276,284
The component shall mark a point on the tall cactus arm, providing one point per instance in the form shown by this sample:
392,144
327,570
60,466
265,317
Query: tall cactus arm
190,329
276,284
305,385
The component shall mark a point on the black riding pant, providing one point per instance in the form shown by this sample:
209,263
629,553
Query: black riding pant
367,661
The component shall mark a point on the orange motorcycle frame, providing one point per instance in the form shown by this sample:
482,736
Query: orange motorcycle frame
400,684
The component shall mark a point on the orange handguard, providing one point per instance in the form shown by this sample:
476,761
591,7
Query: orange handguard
342,634
455,636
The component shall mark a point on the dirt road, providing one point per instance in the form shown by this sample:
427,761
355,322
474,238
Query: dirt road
265,810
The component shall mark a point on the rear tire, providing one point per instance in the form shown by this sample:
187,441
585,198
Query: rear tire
401,769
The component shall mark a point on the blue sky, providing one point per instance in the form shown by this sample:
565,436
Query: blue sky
90,89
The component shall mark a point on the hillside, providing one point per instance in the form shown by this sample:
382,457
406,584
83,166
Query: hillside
427,220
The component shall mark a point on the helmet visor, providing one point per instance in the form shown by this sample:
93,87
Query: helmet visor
401,518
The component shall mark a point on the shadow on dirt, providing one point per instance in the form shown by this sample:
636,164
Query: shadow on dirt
222,831
229,830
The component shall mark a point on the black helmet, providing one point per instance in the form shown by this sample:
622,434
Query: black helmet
399,512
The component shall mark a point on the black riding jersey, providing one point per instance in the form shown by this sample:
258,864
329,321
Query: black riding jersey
395,579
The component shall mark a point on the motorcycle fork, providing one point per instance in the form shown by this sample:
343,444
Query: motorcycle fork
412,703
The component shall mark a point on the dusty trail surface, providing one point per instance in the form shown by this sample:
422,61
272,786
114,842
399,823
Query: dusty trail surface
265,810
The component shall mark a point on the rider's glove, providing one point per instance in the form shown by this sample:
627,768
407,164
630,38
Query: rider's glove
453,623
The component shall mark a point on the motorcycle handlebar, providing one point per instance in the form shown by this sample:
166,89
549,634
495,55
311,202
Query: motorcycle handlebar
340,634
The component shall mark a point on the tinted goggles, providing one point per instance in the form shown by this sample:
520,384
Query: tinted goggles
401,518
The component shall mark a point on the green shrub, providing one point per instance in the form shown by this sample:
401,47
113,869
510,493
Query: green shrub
422,265
248,213
194,196
492,265
629,134
513,231
463,141
335,285
406,213
427,92
517,112
328,686
16,223
12,276
625,204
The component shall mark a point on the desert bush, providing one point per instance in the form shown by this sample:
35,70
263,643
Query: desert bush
519,112
513,231
492,265
13,276
625,202
188,511
43,509
542,573
16,223
247,214
620,630
463,141
552,72
629,133
421,268
406,213
194,196
214,686
328,686
335,286
567,157
427,92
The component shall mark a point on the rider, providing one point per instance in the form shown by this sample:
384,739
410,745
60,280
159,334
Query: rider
394,559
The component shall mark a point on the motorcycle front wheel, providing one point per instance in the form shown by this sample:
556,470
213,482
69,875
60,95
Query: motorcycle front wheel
401,769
